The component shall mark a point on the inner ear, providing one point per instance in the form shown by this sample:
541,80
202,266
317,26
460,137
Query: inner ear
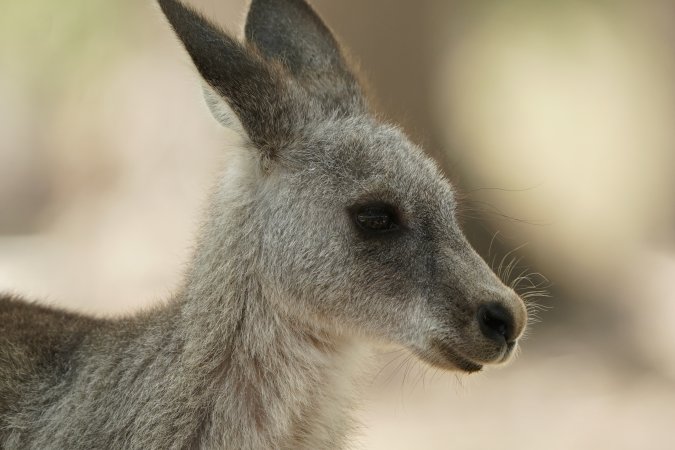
221,111
290,32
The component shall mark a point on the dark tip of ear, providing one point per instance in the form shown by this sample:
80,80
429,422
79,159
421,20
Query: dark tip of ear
201,38
180,15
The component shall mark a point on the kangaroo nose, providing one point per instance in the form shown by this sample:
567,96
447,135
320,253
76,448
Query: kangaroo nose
496,323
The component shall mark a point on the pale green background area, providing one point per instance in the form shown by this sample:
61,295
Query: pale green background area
553,117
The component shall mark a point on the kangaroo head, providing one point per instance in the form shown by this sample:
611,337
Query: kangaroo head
354,227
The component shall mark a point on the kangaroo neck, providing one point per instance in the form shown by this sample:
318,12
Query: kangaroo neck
271,381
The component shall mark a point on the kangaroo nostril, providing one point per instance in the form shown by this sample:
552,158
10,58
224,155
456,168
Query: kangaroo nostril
496,322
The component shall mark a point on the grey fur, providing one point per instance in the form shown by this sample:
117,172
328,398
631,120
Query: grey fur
260,347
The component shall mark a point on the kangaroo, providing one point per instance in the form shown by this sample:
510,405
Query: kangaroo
328,232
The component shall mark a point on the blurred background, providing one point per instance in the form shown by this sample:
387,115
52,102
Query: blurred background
554,118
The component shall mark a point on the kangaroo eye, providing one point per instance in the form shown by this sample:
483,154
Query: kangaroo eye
376,218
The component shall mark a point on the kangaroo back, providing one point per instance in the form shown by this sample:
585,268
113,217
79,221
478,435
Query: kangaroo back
37,346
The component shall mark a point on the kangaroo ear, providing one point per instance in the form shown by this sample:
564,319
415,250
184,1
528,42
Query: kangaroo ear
291,32
256,92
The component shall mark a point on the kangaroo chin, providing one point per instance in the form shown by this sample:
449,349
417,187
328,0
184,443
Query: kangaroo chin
328,229
443,356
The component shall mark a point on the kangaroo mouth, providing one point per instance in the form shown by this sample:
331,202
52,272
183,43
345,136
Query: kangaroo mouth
442,355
